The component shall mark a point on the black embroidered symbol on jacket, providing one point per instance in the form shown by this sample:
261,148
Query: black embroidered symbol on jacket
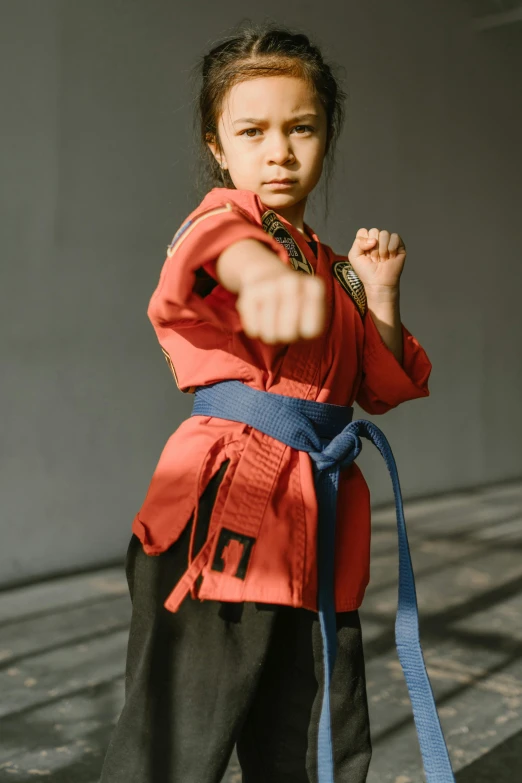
273,226
345,274
220,562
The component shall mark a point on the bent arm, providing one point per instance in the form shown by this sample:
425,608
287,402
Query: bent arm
384,309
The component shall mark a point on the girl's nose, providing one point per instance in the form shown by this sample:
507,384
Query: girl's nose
280,151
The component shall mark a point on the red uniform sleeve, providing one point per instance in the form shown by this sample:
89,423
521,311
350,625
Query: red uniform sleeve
386,383
197,245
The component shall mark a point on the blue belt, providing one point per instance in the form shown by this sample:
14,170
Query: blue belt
332,440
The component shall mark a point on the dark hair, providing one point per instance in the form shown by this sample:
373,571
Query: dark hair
252,51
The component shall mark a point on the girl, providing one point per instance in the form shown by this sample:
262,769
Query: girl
249,292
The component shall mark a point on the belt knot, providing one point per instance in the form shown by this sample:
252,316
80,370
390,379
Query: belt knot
341,450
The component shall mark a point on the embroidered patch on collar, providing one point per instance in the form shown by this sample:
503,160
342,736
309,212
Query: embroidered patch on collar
345,274
273,226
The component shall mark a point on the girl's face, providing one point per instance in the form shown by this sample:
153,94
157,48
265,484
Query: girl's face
273,127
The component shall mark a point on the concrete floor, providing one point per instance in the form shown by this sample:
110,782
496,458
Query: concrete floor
62,651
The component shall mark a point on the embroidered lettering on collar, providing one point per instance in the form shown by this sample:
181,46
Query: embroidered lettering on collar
273,226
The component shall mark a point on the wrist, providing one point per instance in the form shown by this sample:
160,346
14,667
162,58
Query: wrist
382,294
263,266
245,262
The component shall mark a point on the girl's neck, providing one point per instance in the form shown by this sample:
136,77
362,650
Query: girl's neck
295,216
304,233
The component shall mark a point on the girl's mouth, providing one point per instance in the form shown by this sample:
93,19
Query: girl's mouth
287,183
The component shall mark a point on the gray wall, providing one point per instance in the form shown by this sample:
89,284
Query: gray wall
96,176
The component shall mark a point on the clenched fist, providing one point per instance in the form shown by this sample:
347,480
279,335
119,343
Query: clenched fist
275,303
377,258
282,306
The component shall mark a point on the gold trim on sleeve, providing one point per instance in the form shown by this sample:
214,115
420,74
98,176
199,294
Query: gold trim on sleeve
190,389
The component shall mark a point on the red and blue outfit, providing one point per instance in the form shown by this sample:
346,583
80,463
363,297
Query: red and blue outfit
231,516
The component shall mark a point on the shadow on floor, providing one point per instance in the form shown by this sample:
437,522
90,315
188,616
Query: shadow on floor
503,764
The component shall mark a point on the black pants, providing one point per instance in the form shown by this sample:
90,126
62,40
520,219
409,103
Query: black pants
214,675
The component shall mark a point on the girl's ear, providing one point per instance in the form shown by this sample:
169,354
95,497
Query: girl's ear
212,145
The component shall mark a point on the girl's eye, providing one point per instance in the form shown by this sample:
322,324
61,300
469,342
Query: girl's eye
247,131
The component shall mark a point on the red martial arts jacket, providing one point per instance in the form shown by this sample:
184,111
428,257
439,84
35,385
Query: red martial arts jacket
266,481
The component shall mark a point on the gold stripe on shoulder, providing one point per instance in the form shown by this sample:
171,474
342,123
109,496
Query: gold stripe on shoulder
190,225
